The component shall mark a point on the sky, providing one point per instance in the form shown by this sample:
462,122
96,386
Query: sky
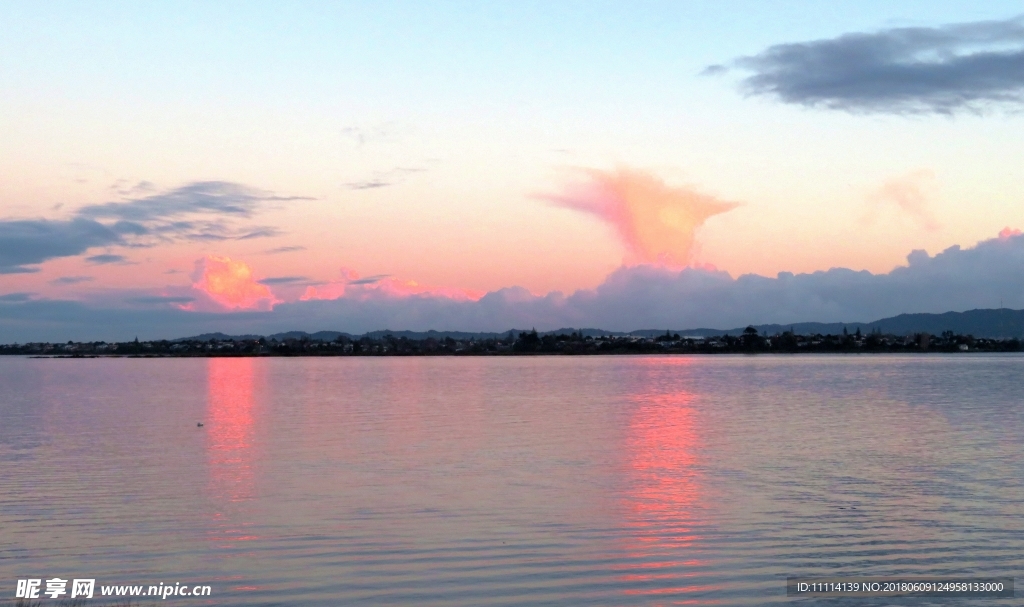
172,168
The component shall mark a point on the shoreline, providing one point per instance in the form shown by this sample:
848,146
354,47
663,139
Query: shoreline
517,354
527,344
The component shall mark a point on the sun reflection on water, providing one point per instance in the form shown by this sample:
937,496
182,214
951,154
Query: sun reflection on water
230,420
665,503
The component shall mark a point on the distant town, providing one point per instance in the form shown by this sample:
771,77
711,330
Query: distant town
750,341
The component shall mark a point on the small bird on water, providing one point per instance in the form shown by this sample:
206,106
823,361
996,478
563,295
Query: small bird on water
199,425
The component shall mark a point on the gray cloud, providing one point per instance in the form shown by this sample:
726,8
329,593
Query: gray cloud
369,280
217,197
71,280
15,297
160,300
959,67
185,212
641,297
27,242
260,232
18,270
210,210
284,250
283,280
106,258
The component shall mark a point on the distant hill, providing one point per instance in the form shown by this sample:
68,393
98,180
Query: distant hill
318,336
218,336
998,324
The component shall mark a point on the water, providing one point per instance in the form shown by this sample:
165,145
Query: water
510,481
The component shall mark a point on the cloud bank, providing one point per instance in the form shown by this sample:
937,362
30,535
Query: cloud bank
987,275
959,67
656,223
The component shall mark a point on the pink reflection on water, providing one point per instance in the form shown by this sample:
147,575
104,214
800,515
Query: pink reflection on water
665,502
661,447
229,426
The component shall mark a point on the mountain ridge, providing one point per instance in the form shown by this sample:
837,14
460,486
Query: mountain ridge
1001,323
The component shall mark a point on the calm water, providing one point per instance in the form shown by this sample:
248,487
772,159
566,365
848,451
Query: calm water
510,481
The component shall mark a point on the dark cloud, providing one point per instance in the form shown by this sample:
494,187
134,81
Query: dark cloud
25,242
129,228
260,232
369,280
204,211
959,67
18,270
714,70
283,280
106,258
15,297
284,250
639,297
71,280
185,212
205,197
160,300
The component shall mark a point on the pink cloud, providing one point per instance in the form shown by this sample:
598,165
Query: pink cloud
230,283
656,222
354,287
1008,232
910,194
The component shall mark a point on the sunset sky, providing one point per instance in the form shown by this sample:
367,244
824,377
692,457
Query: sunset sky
172,168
